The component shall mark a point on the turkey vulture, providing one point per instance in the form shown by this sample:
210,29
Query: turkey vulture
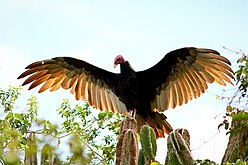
180,76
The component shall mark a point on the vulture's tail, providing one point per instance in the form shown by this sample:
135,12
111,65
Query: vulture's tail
157,121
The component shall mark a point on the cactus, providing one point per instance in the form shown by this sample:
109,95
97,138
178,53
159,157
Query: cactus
31,151
57,161
178,148
46,155
141,160
127,146
148,142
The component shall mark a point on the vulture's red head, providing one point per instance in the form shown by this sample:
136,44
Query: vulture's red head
118,60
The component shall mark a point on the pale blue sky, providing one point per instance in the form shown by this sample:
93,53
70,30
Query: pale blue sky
142,31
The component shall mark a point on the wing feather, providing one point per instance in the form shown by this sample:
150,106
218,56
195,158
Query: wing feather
179,94
196,85
97,96
84,87
184,91
66,83
162,98
73,84
211,64
217,77
170,99
175,95
57,72
39,81
92,94
86,81
33,70
40,63
183,74
79,87
35,76
213,55
56,85
103,99
188,86
109,101
199,80
47,85
203,71
112,99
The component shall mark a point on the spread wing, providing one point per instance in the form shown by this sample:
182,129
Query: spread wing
88,82
182,75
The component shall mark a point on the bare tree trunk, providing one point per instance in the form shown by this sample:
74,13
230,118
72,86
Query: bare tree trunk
237,147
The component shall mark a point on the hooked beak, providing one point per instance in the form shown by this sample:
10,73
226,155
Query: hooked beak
115,64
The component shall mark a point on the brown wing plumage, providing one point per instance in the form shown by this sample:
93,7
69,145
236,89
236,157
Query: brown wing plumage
99,87
183,74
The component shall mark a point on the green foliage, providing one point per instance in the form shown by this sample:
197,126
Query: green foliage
238,162
8,98
90,134
239,119
89,128
237,104
14,126
242,74
204,162
236,116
